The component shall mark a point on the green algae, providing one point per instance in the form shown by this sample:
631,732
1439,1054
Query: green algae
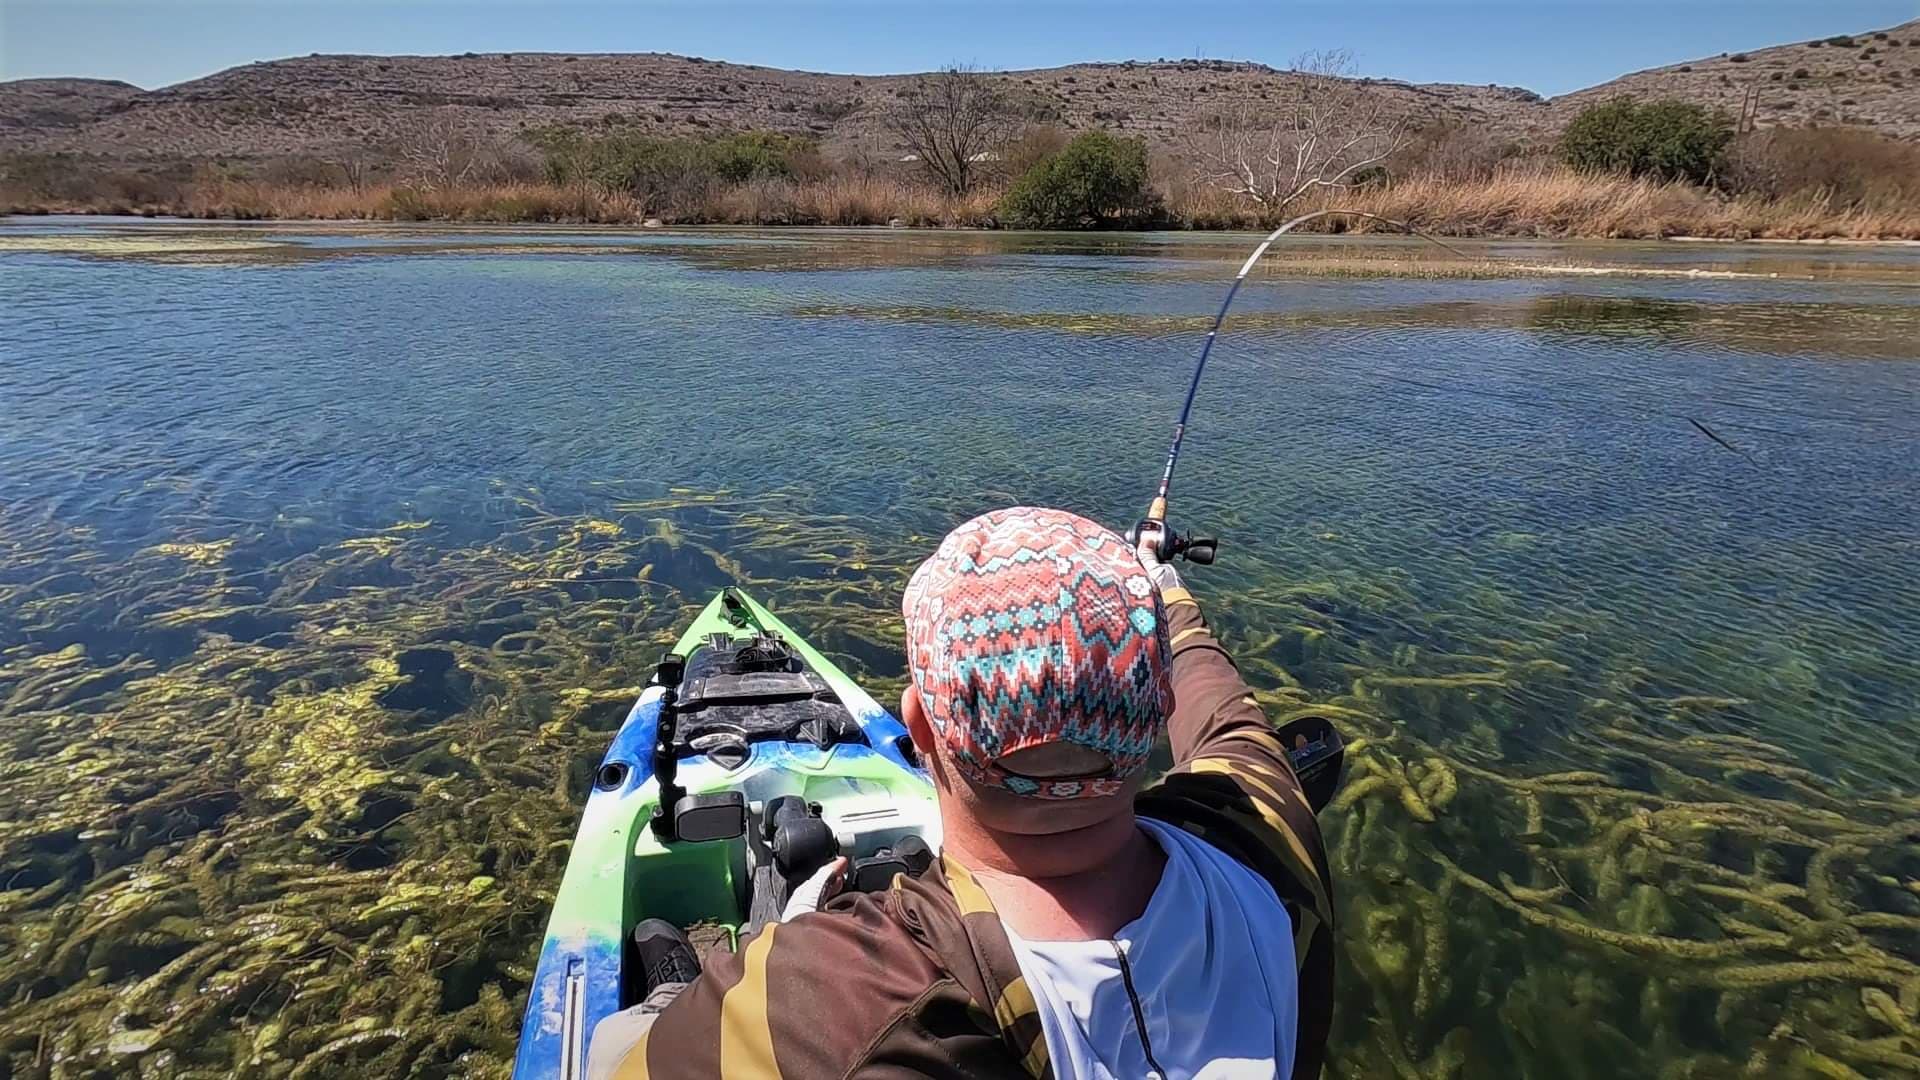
320,839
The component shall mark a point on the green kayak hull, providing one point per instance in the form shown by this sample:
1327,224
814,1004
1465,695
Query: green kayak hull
870,790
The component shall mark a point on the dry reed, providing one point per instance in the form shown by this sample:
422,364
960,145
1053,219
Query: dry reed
1556,202
1534,200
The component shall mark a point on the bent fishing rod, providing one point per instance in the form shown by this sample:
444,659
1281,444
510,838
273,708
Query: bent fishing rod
1203,549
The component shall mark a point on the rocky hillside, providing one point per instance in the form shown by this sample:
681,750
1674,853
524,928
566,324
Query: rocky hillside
343,105
36,105
335,104
1868,80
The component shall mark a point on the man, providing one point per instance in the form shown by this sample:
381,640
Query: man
1074,924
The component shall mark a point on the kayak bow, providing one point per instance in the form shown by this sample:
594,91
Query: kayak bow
758,715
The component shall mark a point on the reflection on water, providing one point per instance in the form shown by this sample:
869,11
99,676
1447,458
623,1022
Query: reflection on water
328,562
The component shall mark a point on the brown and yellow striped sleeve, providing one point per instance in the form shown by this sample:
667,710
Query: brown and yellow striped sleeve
1233,785
836,994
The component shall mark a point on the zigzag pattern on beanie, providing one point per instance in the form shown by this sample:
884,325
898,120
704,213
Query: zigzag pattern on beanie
1029,626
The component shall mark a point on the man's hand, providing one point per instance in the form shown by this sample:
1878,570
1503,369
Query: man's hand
1162,574
811,894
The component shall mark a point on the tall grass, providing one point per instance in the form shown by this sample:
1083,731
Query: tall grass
1549,201
845,200
508,202
1517,200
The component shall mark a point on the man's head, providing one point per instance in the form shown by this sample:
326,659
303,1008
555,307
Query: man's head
1039,657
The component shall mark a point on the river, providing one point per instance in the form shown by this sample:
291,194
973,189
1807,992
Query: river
329,556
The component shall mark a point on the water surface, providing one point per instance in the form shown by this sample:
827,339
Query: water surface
331,553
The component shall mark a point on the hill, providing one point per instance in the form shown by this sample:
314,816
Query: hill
1869,80
31,106
330,106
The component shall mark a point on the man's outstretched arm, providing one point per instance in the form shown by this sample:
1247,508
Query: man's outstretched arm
1233,784
1211,703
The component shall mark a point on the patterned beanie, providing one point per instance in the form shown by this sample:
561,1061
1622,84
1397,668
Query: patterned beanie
1030,626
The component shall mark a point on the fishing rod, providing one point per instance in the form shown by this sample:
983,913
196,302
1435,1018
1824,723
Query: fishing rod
1203,549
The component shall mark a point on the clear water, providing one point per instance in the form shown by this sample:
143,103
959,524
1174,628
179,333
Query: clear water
1471,509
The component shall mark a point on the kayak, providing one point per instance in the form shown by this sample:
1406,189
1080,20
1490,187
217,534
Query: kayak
772,761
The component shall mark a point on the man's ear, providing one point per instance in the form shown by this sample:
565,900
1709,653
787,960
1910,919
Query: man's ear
914,715
920,730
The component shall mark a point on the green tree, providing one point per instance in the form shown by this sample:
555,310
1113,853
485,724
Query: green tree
753,155
1669,140
1097,179
666,172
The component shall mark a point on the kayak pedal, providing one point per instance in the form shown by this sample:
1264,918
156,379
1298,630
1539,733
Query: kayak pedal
910,855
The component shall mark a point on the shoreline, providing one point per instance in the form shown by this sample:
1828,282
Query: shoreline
1544,203
1817,241
1317,256
127,218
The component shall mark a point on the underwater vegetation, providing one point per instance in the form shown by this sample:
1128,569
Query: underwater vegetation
297,810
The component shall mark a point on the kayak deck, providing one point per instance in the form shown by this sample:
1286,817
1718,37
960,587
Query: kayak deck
835,748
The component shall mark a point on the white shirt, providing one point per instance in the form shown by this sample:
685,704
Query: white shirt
1212,970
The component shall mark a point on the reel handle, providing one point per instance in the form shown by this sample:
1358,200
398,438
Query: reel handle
1200,550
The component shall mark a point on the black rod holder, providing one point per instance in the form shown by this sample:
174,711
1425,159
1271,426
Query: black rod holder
673,667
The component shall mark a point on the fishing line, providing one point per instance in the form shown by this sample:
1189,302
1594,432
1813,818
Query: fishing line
1202,550
1157,512
1556,405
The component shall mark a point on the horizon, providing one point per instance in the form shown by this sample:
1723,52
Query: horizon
1472,42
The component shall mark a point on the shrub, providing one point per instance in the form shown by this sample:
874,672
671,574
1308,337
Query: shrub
1737,58
1097,179
1373,176
754,155
1841,41
1843,166
834,110
1035,145
672,173
1451,151
1802,73
1669,140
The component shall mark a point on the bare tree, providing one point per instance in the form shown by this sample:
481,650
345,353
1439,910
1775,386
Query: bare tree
440,153
1336,127
444,153
355,168
953,121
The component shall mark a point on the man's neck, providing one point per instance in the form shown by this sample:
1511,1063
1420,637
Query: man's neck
1071,886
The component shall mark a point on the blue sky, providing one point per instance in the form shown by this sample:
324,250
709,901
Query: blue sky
1550,46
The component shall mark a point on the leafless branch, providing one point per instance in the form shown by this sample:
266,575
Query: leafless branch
953,122
1335,129
441,153
355,168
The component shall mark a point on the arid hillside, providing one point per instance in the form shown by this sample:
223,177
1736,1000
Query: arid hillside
330,106
1869,80
327,105
60,104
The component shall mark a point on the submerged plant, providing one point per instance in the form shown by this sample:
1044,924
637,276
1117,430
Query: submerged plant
289,809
